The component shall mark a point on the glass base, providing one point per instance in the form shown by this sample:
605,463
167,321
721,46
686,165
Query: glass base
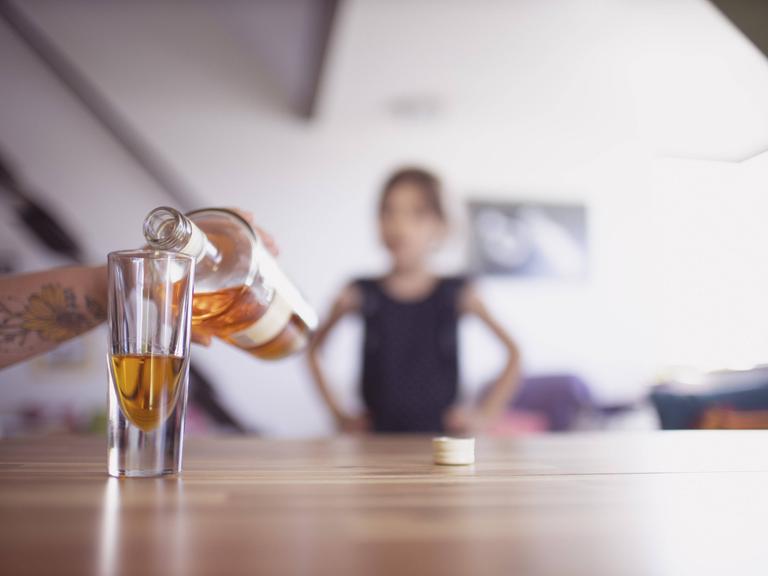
141,473
136,453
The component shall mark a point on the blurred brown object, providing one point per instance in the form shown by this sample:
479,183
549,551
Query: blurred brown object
726,418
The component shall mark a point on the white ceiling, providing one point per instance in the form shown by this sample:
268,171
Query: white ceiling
674,74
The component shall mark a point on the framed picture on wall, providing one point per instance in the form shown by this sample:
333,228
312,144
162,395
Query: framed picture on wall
528,239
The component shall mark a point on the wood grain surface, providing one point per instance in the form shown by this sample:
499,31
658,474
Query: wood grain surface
673,503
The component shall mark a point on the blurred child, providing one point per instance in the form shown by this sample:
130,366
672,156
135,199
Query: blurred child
410,372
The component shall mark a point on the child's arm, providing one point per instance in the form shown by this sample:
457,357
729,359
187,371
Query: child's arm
495,402
347,302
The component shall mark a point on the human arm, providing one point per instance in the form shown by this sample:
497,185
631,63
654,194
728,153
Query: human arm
496,400
347,302
39,311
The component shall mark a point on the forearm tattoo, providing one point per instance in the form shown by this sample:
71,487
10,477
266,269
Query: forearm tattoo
52,314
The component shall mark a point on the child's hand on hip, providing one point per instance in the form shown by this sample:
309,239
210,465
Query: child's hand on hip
359,424
463,420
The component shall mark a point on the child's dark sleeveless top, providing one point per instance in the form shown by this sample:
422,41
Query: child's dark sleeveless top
410,356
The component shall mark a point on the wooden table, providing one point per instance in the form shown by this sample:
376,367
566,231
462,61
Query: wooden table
687,503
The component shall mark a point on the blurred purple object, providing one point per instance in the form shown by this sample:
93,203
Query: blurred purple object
561,398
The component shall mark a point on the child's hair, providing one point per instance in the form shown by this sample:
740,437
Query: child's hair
423,180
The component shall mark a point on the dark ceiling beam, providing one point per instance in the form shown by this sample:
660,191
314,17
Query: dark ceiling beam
324,24
749,16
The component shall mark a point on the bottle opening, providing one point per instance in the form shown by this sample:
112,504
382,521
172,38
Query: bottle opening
166,228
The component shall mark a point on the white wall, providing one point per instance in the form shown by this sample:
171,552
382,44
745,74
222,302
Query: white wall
676,244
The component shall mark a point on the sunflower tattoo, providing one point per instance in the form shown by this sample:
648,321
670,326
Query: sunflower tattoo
52,314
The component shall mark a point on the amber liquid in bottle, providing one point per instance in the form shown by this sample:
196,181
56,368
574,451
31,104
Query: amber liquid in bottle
235,314
241,295
147,386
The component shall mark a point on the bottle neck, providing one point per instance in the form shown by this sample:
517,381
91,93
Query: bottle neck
168,229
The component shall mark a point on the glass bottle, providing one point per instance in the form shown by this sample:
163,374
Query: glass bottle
241,294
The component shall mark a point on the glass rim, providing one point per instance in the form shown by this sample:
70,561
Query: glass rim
148,254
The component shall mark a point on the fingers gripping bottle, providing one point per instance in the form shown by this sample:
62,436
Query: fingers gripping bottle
241,294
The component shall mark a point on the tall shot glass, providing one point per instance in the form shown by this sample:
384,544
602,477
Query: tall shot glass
149,315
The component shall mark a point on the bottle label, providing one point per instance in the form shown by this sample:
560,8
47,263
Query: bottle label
266,328
273,276
195,247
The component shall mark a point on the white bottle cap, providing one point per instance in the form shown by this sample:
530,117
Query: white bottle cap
453,451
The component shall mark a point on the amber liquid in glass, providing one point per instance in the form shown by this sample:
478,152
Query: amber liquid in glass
239,317
147,386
